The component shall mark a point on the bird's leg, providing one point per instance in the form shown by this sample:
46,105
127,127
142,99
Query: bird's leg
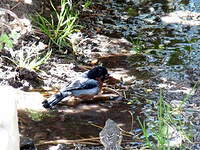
57,99
53,100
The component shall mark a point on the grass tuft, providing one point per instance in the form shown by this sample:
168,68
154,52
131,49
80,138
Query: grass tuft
38,116
137,45
58,30
29,57
168,130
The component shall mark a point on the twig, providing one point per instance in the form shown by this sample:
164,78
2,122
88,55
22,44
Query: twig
111,90
16,5
125,133
131,120
83,141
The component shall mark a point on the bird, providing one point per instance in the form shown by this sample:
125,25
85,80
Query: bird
111,136
85,86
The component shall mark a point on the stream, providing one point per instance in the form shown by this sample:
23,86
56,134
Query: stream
150,45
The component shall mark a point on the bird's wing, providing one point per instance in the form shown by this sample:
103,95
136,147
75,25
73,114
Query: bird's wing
82,83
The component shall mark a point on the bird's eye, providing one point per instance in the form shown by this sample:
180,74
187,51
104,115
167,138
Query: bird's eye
107,75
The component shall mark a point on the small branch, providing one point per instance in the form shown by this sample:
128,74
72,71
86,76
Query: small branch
111,90
124,133
89,141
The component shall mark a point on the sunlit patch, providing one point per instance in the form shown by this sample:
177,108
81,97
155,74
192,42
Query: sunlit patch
121,124
149,90
182,17
176,104
68,111
122,74
169,86
185,90
102,110
163,85
85,108
88,107
175,137
28,2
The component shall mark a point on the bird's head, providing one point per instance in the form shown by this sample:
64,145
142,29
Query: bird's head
98,72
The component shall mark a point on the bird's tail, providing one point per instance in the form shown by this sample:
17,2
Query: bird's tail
53,100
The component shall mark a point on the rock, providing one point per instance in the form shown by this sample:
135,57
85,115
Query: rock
24,100
29,100
11,100
9,132
26,143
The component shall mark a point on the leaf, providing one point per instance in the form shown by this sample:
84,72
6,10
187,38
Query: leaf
4,38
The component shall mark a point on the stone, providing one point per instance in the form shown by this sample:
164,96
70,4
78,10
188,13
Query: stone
26,143
9,131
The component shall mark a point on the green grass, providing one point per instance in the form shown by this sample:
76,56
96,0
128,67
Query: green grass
87,4
38,116
61,25
137,45
167,122
5,41
29,57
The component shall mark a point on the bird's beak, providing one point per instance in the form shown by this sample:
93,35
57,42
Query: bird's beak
107,76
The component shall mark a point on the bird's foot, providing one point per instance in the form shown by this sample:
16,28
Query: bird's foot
46,105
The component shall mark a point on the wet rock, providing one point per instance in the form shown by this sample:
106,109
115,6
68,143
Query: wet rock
26,144
113,34
108,20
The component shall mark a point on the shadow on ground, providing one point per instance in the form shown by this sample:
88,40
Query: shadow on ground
80,122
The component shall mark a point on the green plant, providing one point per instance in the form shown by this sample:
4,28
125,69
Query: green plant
145,133
58,31
87,4
37,116
137,45
166,125
29,57
159,132
5,41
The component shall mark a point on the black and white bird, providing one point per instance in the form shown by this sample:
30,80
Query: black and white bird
87,85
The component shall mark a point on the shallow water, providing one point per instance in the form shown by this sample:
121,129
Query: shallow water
168,33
